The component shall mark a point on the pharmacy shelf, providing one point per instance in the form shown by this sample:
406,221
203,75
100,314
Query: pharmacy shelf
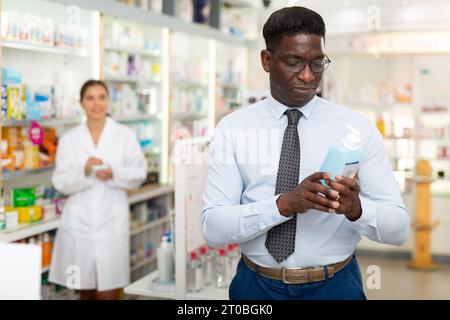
190,85
149,226
149,192
189,116
140,52
418,138
24,231
231,86
143,263
132,79
12,175
138,117
132,13
142,288
79,52
53,122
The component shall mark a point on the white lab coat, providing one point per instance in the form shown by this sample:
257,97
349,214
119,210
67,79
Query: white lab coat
93,238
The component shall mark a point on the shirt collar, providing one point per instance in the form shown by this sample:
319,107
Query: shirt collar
278,109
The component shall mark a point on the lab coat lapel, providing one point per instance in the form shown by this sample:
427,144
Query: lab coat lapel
87,142
106,140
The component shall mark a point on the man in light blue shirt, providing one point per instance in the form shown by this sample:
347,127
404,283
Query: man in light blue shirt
263,188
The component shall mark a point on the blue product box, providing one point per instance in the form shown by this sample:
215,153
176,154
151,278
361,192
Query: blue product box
11,76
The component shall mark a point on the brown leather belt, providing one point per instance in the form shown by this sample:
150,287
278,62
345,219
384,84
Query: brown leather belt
297,275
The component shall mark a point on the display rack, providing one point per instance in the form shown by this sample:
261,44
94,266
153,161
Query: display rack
142,288
90,60
46,49
28,230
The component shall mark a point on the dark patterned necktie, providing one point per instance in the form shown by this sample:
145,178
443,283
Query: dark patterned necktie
280,240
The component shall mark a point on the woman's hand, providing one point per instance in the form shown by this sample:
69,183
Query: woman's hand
92,161
104,175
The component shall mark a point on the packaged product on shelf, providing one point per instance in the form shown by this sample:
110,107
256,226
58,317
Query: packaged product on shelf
14,103
10,25
24,197
194,282
47,247
148,249
185,10
202,10
124,100
13,98
206,261
10,159
2,221
234,255
165,261
27,214
36,30
148,100
4,111
221,270
49,144
70,37
7,162
11,219
48,32
24,27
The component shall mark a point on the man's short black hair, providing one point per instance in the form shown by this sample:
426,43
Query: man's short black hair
291,21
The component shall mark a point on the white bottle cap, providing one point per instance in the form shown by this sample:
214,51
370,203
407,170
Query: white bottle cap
353,139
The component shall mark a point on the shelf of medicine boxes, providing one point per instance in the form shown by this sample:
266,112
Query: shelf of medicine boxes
131,13
189,116
28,230
12,175
53,122
141,52
131,79
24,231
18,45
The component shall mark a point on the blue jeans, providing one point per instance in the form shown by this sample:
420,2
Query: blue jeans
345,285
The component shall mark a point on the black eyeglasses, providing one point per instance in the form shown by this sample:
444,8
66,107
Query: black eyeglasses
296,65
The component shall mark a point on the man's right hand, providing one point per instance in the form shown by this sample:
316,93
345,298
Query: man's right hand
92,161
306,197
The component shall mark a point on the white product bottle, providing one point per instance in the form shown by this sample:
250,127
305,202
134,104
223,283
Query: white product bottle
233,260
165,260
194,274
222,269
206,261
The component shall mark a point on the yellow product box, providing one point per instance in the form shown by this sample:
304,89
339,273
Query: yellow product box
27,214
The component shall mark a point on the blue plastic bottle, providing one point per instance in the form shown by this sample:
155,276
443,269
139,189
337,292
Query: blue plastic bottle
344,159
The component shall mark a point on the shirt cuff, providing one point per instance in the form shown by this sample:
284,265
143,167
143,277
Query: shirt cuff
368,214
271,215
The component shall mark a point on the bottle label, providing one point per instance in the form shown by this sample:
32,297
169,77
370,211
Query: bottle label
350,169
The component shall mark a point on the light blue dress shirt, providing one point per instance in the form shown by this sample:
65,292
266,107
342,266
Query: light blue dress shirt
239,201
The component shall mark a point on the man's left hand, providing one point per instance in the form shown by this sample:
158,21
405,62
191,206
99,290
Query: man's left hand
348,198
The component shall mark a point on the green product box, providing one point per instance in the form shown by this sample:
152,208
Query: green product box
23,197
2,221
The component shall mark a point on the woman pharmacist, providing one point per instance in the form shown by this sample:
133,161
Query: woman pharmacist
96,163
